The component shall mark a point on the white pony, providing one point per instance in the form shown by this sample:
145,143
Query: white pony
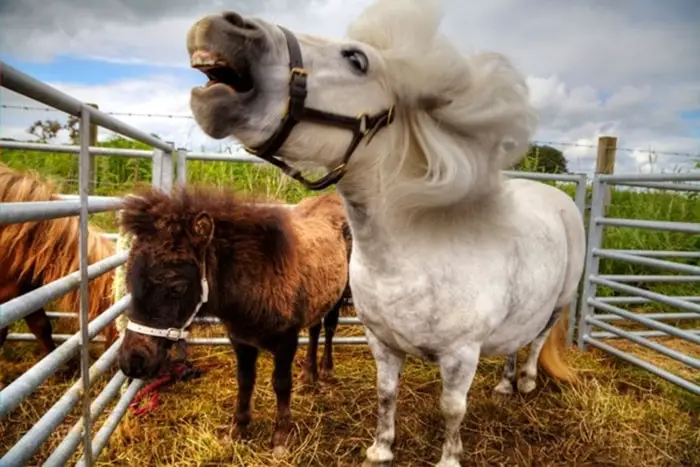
451,261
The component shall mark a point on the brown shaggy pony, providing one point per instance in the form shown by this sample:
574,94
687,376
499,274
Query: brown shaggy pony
271,271
33,254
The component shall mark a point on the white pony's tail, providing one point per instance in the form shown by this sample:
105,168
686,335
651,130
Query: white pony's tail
552,354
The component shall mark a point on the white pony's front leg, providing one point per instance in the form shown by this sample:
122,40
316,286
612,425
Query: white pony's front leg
457,371
389,365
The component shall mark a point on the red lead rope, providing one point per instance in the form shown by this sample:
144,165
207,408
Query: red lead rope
179,372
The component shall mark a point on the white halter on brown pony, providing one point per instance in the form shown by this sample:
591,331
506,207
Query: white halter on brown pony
451,261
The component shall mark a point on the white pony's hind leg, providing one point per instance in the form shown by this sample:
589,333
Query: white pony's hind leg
507,383
527,380
389,365
457,371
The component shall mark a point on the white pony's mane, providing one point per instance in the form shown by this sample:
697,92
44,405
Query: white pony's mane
460,120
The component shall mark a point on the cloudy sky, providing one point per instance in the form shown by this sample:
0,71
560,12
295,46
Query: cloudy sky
628,68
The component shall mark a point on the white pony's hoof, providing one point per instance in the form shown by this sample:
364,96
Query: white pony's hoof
504,388
279,452
378,456
526,385
451,462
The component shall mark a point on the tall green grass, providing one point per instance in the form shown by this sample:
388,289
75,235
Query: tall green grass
117,176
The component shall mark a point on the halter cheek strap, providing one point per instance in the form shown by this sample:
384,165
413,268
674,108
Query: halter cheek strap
175,334
363,126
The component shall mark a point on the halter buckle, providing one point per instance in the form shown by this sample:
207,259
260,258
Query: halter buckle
173,334
298,72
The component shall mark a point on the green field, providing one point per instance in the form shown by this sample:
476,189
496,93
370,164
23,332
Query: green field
118,176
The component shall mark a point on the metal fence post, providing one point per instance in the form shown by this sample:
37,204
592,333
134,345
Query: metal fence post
166,180
182,167
84,175
575,309
157,168
595,240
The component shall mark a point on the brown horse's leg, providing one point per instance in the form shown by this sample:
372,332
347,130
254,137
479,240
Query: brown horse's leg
310,373
40,325
330,323
282,383
246,359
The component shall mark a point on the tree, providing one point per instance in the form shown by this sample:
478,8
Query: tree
543,158
45,130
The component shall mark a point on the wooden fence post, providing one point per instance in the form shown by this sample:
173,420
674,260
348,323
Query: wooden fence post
93,142
605,162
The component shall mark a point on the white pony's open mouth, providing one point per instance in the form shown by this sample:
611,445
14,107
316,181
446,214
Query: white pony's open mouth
220,71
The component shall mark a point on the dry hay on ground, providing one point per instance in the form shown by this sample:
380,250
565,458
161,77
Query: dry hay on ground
621,416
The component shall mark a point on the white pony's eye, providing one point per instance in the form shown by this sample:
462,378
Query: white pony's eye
358,60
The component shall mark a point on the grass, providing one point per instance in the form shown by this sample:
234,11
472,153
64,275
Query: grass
620,415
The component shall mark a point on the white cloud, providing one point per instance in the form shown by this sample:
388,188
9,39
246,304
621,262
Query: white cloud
625,68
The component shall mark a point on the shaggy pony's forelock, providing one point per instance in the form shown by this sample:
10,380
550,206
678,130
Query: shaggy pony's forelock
460,120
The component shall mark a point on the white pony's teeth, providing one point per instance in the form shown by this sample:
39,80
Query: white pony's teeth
202,58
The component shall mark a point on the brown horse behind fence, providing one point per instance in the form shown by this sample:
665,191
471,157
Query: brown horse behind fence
33,254
270,272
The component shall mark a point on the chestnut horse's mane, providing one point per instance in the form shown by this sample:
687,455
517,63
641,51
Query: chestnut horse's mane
44,251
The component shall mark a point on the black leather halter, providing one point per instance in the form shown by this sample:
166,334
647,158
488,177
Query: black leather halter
363,126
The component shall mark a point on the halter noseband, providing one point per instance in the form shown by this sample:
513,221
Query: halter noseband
175,334
363,126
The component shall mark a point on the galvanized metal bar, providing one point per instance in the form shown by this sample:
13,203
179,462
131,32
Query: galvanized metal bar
113,420
657,316
542,176
595,240
665,299
56,337
637,339
662,186
62,315
238,156
25,448
670,377
639,300
658,253
684,227
84,184
63,452
645,278
182,167
26,384
91,198
21,306
614,179
75,150
32,211
340,340
651,262
21,83
215,320
653,324
609,335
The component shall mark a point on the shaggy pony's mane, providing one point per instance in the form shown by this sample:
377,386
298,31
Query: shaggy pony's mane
459,121
47,250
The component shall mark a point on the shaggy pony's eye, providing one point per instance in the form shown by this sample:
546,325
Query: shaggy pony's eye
177,290
358,60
